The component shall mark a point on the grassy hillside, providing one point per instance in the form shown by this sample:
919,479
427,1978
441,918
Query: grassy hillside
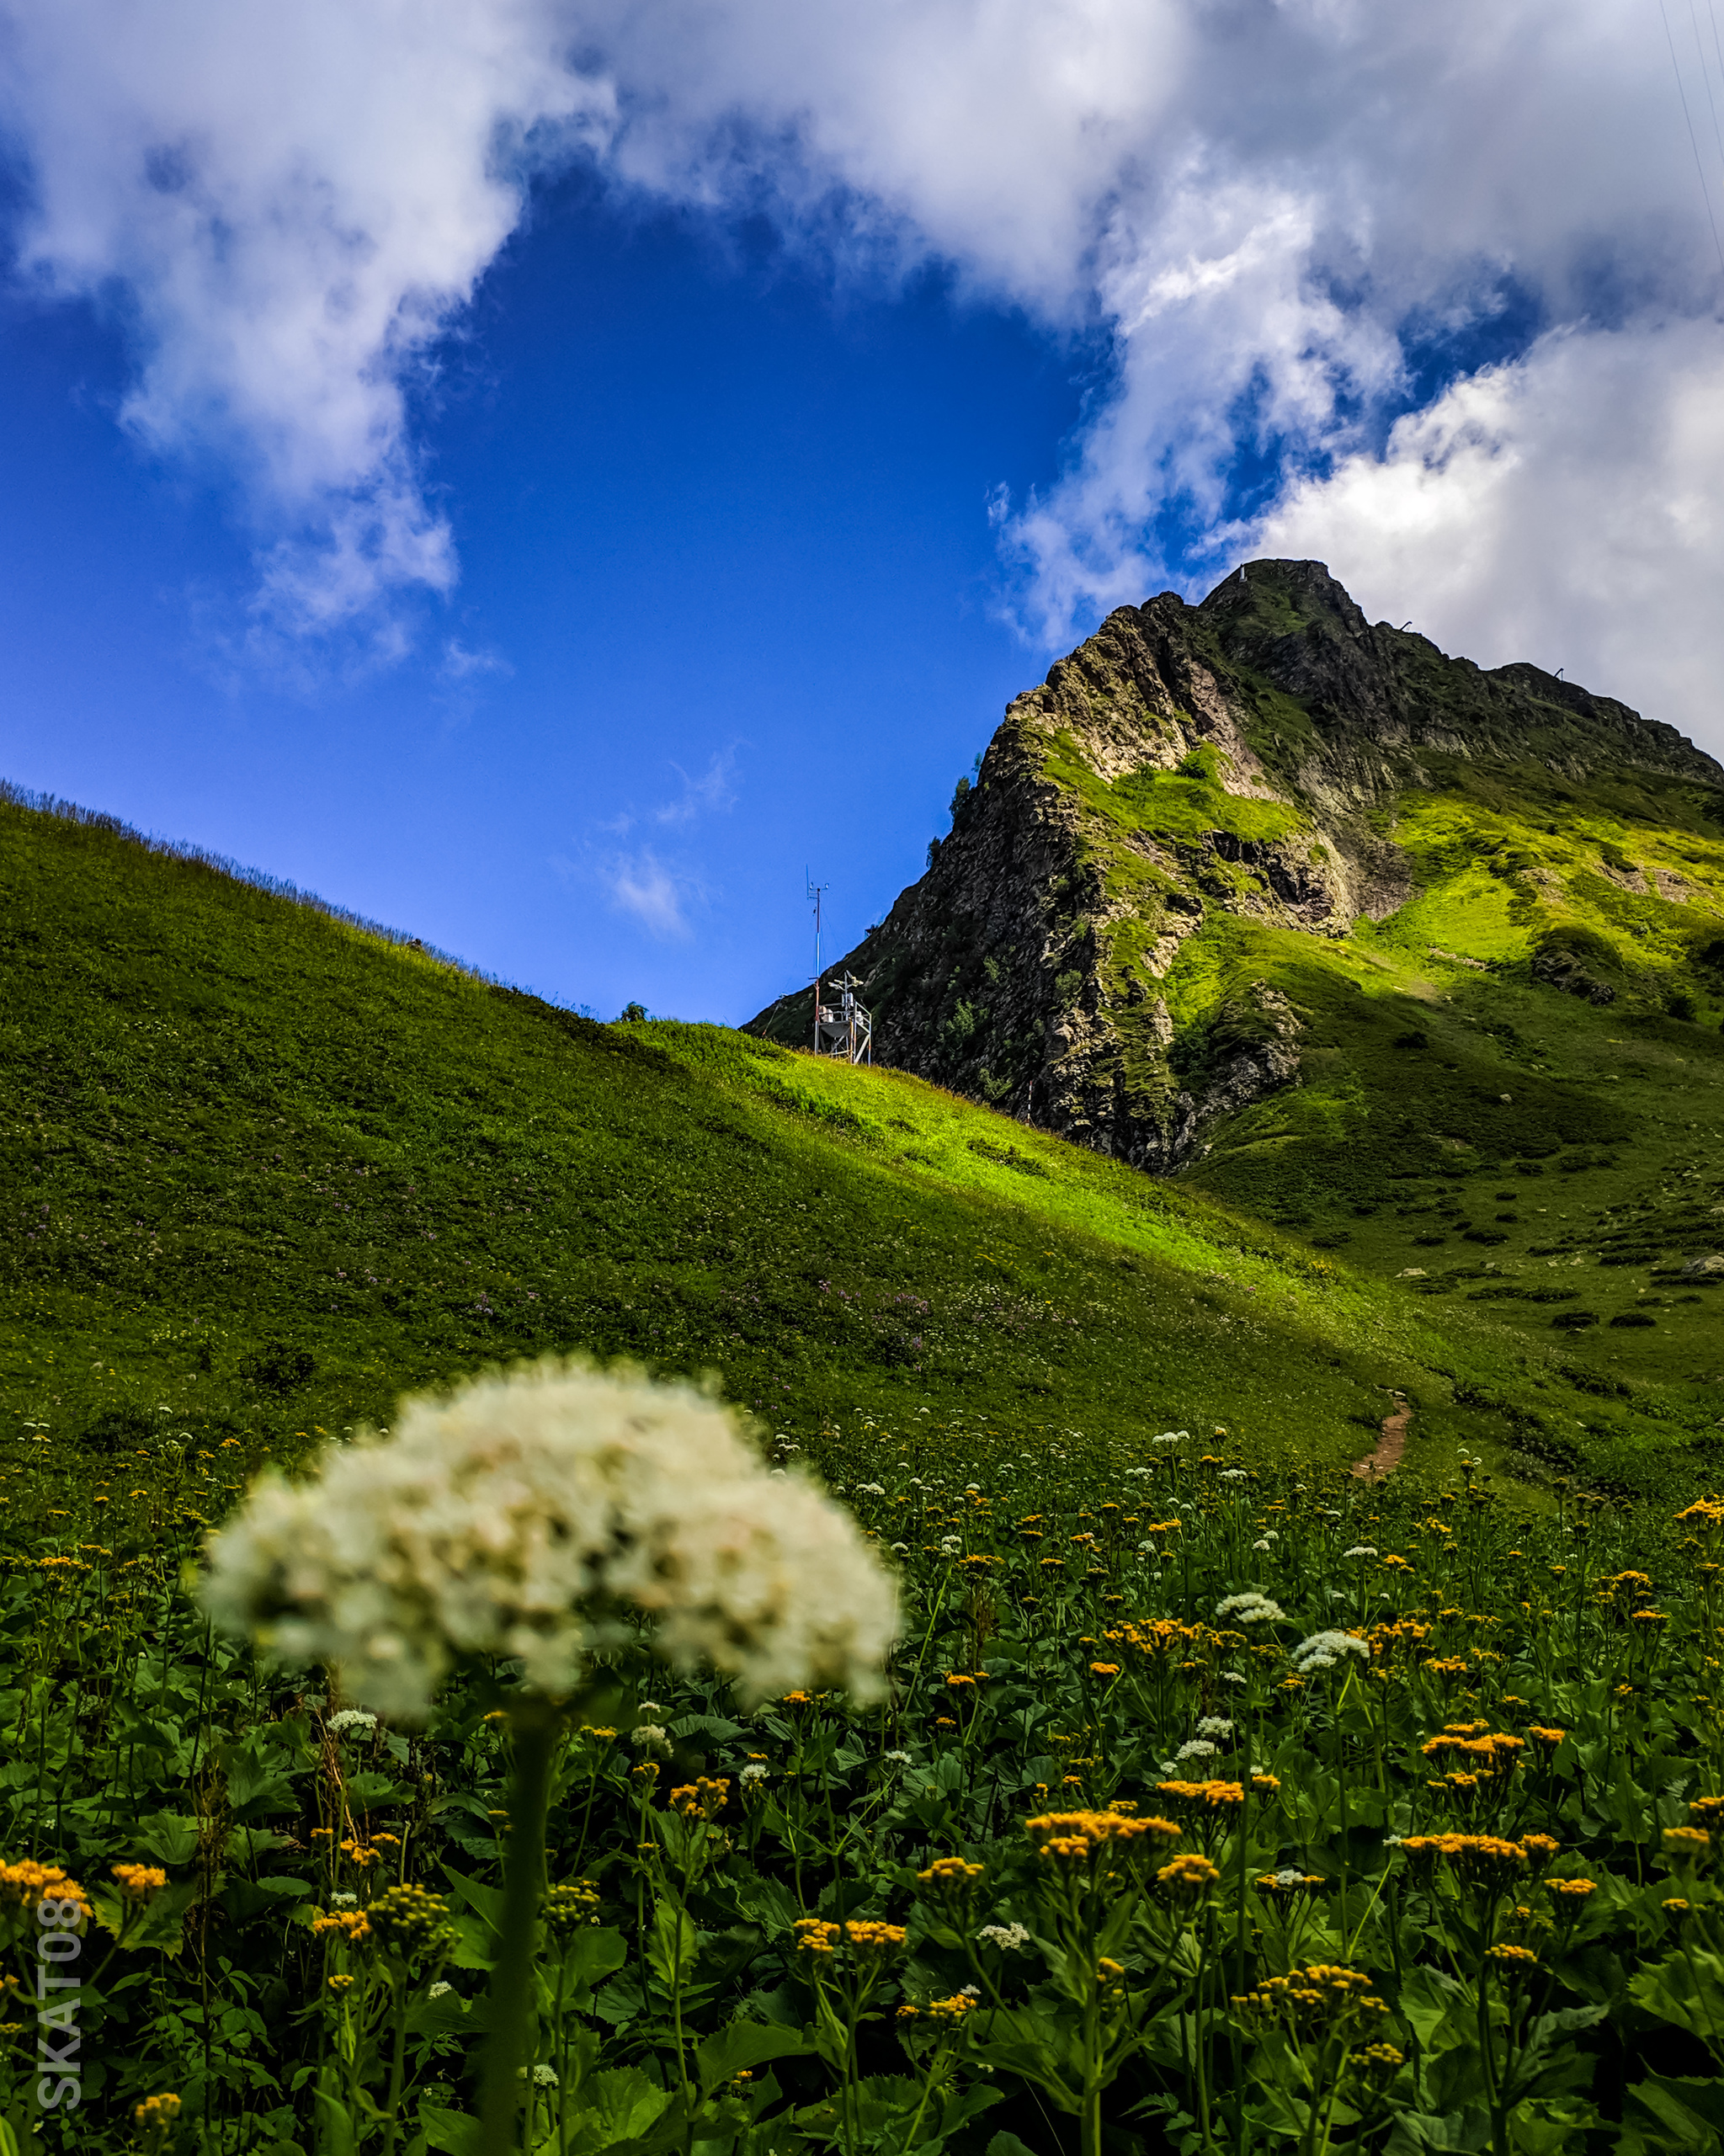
263,1169
1466,1122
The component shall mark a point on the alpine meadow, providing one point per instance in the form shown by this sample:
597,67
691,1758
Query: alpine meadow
1144,1571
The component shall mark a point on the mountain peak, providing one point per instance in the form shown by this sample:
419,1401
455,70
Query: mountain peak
1185,839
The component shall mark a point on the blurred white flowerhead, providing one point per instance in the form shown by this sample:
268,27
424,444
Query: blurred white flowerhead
1324,1650
508,1517
1251,1609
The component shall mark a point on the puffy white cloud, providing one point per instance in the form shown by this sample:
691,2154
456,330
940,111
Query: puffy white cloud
286,205
1567,508
1274,211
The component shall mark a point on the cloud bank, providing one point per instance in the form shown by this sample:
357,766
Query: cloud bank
1431,291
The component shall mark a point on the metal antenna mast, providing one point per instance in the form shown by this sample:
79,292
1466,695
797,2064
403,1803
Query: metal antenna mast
815,892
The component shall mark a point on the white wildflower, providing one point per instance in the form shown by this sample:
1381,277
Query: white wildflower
1251,1609
543,2076
650,1738
971,1991
1324,1650
1260,1546
440,1990
951,1545
343,1901
1291,1877
1199,1747
897,1759
497,1520
650,1706
1005,1936
972,1489
901,1549
753,1772
353,1719
871,1489
1232,1676
1361,1550
1233,1474
1215,1725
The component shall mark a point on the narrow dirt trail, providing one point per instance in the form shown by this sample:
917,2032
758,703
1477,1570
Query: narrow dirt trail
1390,1447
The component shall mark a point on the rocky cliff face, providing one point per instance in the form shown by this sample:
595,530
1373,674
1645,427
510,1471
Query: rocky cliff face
1240,760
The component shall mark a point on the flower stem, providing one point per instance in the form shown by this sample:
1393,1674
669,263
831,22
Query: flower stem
534,1726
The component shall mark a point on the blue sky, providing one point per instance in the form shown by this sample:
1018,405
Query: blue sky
730,605
544,473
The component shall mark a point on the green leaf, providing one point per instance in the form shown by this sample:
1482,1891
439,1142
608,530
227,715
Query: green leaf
1432,2003
744,2045
1687,1989
1007,2144
454,2132
169,1837
244,1898
673,1940
1465,2132
622,2105
258,1786
1661,2113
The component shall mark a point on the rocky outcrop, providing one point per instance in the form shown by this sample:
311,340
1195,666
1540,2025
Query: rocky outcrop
1240,758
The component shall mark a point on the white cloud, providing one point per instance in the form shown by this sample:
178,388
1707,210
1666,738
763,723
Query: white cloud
654,894
1272,208
461,665
714,789
1567,508
285,205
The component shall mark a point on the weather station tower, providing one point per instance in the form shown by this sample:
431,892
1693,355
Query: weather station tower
844,1027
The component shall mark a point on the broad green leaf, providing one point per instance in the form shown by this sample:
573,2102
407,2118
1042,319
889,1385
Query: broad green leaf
673,1940
743,2046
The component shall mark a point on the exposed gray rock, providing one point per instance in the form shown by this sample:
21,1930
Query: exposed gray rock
1026,968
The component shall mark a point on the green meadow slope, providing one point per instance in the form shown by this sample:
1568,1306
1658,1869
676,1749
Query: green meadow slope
1422,964
263,1169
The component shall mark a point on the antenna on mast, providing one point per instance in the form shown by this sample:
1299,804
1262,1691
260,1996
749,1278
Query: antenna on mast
845,1027
816,891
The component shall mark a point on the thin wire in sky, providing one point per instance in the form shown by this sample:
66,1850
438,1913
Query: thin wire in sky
1693,139
1700,54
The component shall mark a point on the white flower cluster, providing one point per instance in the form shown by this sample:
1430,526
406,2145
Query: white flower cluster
1199,1748
951,1545
1215,1725
1171,1437
1262,1546
353,1719
1005,1936
1361,1550
505,1518
1251,1609
1233,1475
753,1772
871,1489
1324,1650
